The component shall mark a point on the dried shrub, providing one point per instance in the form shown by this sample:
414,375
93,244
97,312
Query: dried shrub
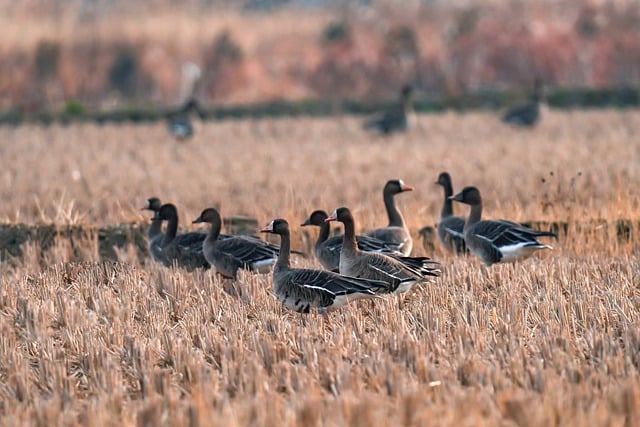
223,66
122,74
401,45
46,59
336,32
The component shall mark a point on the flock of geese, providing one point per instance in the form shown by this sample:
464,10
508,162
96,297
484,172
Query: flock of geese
370,265
394,120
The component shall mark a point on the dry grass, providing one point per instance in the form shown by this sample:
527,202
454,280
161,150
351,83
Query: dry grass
550,341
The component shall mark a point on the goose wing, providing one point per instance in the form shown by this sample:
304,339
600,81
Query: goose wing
506,233
378,266
453,225
372,244
336,284
190,242
247,250
422,266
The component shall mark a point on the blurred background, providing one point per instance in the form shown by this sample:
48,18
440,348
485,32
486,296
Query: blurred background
108,54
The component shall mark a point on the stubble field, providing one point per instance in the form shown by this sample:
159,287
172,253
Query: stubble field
553,340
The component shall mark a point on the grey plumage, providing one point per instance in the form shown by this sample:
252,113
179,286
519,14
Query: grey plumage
154,234
450,227
396,232
327,249
233,253
302,290
180,124
528,114
183,250
494,241
396,118
377,266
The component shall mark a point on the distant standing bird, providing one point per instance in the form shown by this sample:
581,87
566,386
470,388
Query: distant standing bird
450,227
496,241
180,125
301,289
526,115
396,232
395,119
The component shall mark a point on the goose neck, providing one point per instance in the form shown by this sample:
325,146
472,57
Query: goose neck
474,216
172,230
285,252
395,217
447,207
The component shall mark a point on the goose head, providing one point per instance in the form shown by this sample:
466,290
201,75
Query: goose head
341,215
316,218
468,196
277,226
166,212
209,215
444,179
153,204
395,186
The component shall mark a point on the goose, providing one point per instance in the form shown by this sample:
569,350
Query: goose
378,266
450,227
396,119
183,250
180,124
233,253
301,289
327,249
494,241
528,114
396,232
154,234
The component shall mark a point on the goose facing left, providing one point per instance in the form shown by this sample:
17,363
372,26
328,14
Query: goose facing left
327,249
450,227
233,253
180,125
183,250
496,241
302,289
154,234
378,266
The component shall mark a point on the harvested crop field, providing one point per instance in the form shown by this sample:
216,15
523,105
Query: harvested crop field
552,340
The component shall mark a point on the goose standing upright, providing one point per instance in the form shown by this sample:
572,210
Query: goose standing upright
378,266
302,289
233,253
396,232
395,119
184,250
154,234
327,249
528,114
450,227
497,240
180,124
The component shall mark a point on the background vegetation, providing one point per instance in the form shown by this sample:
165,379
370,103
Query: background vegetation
111,54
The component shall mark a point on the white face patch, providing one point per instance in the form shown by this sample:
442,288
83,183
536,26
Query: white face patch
268,227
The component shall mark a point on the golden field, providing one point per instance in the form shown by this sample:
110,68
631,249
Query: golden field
552,340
